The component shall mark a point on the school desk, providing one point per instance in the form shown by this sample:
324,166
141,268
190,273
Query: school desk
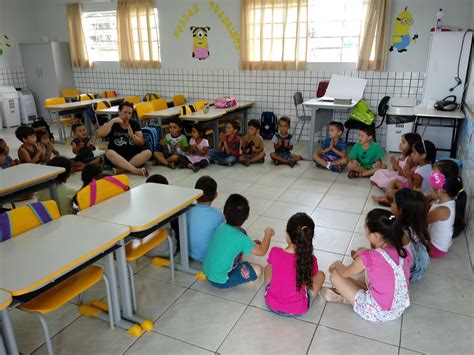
317,123
430,117
24,179
112,111
242,106
7,330
144,208
212,116
77,107
167,113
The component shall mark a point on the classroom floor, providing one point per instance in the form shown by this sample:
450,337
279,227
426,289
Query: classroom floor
192,318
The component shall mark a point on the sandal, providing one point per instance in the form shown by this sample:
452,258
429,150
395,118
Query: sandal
145,172
353,174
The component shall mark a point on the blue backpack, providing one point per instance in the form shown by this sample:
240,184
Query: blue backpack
268,122
152,137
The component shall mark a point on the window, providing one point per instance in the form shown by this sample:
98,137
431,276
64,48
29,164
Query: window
100,32
335,30
141,35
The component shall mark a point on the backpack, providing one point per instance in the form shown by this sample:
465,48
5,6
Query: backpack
187,110
152,137
39,125
268,123
225,102
151,96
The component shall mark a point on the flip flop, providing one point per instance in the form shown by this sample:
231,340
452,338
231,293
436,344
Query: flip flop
331,295
145,172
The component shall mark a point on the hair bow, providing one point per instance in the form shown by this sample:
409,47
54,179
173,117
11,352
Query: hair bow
437,180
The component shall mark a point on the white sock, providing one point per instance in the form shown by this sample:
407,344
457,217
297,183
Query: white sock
329,165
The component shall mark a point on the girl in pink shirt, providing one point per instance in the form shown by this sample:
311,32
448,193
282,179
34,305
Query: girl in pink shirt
385,296
292,273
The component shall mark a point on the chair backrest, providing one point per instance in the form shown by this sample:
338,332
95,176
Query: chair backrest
298,100
101,190
108,93
200,104
101,105
151,96
179,100
54,101
133,99
70,92
85,97
383,106
143,108
24,218
159,104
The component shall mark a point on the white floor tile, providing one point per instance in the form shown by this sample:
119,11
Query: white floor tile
151,343
258,205
242,294
432,331
331,240
358,241
325,259
346,204
263,191
456,262
311,185
330,341
257,228
185,320
256,332
320,174
301,197
284,210
276,180
360,191
163,273
335,219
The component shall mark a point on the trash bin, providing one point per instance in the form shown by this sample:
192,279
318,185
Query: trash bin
397,126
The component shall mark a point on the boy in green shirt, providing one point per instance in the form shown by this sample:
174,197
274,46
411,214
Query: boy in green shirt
174,144
366,156
223,263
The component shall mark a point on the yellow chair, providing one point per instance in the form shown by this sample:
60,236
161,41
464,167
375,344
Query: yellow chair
70,92
159,104
31,216
108,93
132,99
178,100
151,96
86,97
63,122
108,187
94,107
142,109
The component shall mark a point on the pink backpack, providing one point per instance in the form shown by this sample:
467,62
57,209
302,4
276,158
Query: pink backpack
225,102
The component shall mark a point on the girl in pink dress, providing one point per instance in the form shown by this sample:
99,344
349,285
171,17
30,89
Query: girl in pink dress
196,157
401,167
292,273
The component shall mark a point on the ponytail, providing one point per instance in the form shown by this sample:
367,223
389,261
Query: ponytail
454,188
384,222
300,229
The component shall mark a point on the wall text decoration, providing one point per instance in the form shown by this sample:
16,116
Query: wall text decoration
185,19
234,34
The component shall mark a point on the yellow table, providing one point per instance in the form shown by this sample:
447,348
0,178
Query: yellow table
142,208
24,179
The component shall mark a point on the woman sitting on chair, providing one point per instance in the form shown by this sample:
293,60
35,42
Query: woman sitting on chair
125,150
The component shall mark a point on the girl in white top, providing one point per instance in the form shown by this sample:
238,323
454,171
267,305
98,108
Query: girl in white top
196,157
446,216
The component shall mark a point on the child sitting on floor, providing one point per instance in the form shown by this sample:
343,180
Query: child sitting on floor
252,145
91,172
223,263
83,146
8,161
283,144
65,191
401,167
292,273
174,144
30,151
196,157
45,141
203,219
333,152
365,158
228,150
411,209
384,296
447,215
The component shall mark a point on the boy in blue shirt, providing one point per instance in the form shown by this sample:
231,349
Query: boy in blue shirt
203,219
8,161
223,263
333,152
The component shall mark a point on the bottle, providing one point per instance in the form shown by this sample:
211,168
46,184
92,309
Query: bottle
439,20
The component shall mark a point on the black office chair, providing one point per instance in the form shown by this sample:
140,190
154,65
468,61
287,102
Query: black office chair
381,111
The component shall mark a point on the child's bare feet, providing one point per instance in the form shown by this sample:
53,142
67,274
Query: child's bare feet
382,200
331,295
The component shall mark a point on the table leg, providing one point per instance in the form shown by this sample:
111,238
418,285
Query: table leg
311,134
87,123
3,350
53,192
454,139
8,333
183,245
215,136
62,139
244,124
110,271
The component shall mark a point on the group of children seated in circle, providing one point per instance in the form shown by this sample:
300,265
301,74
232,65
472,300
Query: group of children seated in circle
426,199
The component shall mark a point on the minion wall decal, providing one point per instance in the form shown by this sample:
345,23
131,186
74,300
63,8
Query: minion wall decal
401,31
200,42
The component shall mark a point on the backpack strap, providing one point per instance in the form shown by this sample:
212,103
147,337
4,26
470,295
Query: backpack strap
117,182
41,212
93,186
5,227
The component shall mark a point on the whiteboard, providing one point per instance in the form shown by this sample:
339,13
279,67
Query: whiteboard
442,65
344,87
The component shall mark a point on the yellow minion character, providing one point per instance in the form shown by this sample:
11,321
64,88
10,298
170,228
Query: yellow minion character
401,31
200,44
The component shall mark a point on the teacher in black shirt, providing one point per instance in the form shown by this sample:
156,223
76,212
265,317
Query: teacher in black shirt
126,144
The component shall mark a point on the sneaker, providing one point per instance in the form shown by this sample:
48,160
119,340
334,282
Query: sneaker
292,163
276,162
245,162
261,161
171,165
195,168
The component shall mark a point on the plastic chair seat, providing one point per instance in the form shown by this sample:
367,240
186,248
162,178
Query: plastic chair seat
58,295
139,247
68,120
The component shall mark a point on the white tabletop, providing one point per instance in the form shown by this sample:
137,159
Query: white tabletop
5,299
25,175
240,105
318,103
169,112
201,116
432,112
143,206
81,104
45,253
